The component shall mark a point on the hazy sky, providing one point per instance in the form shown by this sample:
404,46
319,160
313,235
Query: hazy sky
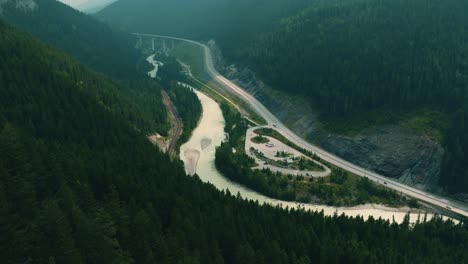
75,3
86,4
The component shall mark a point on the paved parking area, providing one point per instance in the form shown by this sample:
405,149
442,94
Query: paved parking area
270,149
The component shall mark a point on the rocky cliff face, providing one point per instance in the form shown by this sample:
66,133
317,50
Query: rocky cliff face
391,150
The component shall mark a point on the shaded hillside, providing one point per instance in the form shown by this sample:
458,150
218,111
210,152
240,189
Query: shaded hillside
354,56
91,42
231,22
359,56
353,60
29,73
78,184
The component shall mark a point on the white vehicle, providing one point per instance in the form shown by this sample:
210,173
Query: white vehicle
274,125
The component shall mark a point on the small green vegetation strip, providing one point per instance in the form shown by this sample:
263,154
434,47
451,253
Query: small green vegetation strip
185,100
189,108
213,90
274,134
296,163
260,140
192,55
340,189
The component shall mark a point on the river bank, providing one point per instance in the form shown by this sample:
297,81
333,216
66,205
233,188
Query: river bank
211,127
154,72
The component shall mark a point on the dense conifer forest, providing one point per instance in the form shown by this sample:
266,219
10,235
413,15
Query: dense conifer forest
80,183
200,18
349,58
338,190
94,44
352,57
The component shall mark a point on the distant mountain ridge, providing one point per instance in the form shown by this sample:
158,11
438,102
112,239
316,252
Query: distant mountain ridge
231,22
23,5
94,6
93,43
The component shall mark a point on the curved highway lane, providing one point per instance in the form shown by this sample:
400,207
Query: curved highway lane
274,122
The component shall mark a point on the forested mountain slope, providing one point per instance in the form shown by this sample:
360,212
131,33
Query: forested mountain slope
231,22
129,102
80,184
353,56
93,43
349,58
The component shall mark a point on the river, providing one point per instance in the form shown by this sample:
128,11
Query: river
154,72
198,155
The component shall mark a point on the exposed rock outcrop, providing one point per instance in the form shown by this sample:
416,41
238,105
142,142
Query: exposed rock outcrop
391,150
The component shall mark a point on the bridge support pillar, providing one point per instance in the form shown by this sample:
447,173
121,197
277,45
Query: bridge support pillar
139,42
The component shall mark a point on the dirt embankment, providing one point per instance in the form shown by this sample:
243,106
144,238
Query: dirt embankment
177,124
168,144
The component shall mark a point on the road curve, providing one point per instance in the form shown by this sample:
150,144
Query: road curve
271,151
274,122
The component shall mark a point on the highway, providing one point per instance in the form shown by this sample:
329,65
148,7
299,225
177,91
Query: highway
273,122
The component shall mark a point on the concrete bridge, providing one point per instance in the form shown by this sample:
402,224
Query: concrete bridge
154,42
